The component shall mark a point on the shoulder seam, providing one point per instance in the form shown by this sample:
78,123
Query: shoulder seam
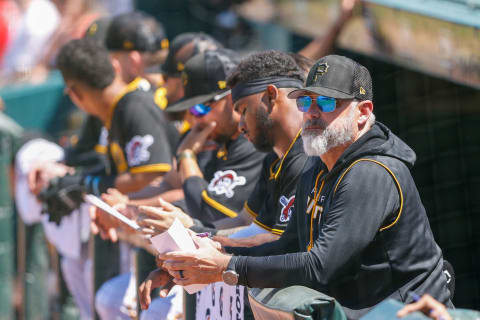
399,189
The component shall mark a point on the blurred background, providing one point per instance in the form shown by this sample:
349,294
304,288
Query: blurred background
424,57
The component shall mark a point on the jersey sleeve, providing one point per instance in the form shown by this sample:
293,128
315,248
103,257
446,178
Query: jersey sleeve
146,143
224,195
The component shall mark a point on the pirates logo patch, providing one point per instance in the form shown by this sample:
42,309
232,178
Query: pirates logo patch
224,182
137,149
322,68
287,206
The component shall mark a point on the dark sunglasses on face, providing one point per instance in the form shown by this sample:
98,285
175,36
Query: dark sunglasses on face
325,104
202,109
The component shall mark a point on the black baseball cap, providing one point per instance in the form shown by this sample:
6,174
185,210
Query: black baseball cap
205,77
337,77
183,47
98,29
135,31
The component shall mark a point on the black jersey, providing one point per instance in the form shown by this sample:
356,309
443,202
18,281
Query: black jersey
140,139
229,178
91,147
271,202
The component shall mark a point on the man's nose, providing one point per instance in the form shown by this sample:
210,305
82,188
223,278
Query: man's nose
313,111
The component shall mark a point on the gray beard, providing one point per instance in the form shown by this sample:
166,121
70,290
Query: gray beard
318,142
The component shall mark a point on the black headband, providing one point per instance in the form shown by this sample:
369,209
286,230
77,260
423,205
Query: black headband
258,85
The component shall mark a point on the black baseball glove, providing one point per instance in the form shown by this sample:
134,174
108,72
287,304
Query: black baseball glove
62,196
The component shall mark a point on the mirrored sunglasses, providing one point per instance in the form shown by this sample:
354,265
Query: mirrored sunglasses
200,110
325,104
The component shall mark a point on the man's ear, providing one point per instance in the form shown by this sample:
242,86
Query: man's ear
366,109
116,65
273,94
135,57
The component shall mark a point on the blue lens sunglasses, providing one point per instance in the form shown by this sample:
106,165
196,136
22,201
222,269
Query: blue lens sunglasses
202,109
325,104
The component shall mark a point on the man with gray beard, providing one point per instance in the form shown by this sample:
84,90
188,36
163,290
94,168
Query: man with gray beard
359,231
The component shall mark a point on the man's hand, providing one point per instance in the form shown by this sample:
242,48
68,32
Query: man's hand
226,241
113,197
157,220
196,138
156,279
40,175
206,265
429,306
347,9
103,223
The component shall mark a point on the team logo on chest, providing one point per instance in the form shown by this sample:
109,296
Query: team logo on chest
137,149
287,206
224,182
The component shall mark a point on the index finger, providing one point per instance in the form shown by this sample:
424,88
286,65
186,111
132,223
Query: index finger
177,256
153,212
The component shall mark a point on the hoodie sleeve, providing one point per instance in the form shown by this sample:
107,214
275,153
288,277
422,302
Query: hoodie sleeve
364,201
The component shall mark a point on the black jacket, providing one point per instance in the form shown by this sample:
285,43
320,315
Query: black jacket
372,239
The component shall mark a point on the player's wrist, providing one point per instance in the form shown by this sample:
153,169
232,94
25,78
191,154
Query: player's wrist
183,155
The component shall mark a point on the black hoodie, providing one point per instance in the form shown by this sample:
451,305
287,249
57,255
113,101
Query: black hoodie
371,236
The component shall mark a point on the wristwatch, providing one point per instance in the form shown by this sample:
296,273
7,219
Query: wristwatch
230,277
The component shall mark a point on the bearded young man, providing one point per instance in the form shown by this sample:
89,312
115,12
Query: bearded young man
359,232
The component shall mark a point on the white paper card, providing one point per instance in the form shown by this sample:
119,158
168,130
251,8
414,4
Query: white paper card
176,238
97,202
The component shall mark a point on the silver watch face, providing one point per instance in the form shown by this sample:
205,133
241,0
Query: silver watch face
230,277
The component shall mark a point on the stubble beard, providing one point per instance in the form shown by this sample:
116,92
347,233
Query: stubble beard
263,140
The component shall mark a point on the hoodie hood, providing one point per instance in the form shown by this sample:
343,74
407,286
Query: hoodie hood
378,141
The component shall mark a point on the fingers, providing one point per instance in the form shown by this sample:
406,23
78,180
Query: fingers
177,256
93,215
152,212
166,205
144,292
429,306
158,261
115,192
151,227
155,279
183,282
166,288
173,267
112,234
205,132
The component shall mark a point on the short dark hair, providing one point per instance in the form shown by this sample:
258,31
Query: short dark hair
264,64
303,62
87,61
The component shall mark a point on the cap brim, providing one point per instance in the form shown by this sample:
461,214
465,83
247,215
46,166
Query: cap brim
187,103
326,92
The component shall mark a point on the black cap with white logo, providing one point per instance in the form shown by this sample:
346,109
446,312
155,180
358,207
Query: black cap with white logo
337,77
204,77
